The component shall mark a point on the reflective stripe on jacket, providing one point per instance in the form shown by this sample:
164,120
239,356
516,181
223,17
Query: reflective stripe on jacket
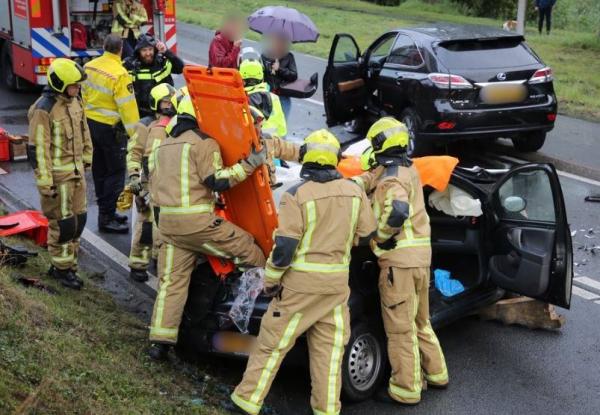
156,136
59,138
108,93
137,145
128,15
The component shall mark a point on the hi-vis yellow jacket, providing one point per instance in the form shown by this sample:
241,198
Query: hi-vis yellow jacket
128,15
108,93
59,139
275,124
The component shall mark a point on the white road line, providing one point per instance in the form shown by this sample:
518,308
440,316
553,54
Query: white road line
2,171
314,101
584,293
597,302
115,254
589,282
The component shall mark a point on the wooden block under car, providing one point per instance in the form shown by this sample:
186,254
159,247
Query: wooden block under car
18,147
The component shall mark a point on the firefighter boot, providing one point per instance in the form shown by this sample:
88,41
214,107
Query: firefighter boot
159,351
109,224
120,218
77,278
65,276
139,275
383,395
229,406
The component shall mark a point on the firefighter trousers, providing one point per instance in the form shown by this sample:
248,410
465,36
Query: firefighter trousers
326,319
142,240
413,347
67,216
176,260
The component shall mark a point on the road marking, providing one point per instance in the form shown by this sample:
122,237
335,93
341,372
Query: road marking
589,282
116,255
2,171
314,101
584,293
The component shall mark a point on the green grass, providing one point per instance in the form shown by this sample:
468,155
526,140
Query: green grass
574,56
79,353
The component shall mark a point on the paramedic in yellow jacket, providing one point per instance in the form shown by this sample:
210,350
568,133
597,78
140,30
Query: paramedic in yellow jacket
59,148
112,113
141,246
260,97
320,219
276,147
188,170
403,246
128,16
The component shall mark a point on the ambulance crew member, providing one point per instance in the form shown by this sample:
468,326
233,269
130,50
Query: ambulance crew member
59,148
112,113
403,246
307,274
128,16
141,247
188,169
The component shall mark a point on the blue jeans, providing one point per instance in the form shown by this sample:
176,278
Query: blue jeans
286,105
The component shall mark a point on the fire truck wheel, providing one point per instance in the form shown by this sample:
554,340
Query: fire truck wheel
9,79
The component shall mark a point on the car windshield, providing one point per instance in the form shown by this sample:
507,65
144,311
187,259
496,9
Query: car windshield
487,54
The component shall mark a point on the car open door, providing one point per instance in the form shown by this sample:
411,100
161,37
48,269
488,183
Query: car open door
530,239
344,91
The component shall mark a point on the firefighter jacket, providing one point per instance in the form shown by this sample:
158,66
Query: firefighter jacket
399,207
156,136
137,145
59,138
280,149
188,169
128,15
320,219
145,77
269,104
108,93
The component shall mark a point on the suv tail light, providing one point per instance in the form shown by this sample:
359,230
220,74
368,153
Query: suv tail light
448,81
543,75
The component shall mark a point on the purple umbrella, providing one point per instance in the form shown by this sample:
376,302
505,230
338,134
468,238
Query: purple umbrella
284,20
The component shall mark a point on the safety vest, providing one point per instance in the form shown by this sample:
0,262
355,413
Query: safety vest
128,15
276,123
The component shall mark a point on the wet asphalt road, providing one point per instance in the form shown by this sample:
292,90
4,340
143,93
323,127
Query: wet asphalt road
494,369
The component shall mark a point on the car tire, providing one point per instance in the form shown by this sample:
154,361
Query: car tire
9,79
530,142
364,364
416,147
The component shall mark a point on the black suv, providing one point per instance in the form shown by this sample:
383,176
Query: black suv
445,83
520,243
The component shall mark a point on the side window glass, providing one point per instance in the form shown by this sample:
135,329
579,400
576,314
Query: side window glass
381,51
405,52
527,196
345,51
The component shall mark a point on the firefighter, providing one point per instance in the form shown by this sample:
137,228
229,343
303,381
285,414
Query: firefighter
307,274
141,246
112,113
128,16
60,148
260,97
151,64
402,245
276,147
188,170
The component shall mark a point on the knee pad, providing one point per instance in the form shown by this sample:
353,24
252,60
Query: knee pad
146,237
81,221
67,227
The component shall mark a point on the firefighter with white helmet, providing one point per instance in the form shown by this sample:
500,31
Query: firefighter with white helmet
60,148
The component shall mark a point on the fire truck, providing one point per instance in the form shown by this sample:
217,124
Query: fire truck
35,32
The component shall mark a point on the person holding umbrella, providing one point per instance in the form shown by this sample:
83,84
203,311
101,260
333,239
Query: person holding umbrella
280,67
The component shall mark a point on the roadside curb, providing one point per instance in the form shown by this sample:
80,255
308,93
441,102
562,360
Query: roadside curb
569,166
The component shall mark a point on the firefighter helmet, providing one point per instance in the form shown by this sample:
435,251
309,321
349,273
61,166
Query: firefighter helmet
252,71
64,72
367,160
321,147
388,133
161,92
186,108
179,94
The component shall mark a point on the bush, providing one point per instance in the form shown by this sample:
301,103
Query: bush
385,2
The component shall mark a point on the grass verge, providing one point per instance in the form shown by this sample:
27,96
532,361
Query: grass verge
79,353
573,55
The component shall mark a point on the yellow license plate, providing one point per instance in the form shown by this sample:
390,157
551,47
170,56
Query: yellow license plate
41,69
231,342
503,94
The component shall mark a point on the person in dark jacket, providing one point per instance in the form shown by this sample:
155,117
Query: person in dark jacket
225,46
280,67
151,64
544,8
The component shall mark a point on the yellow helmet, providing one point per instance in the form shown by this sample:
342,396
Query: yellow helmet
387,133
160,93
64,72
179,94
252,69
321,147
186,107
367,160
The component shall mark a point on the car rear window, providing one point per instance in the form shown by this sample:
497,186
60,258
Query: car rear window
485,54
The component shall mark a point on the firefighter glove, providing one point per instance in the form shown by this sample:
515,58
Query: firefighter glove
135,184
48,191
389,244
257,158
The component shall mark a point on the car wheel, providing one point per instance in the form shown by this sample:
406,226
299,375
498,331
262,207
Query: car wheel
530,142
9,79
416,147
364,363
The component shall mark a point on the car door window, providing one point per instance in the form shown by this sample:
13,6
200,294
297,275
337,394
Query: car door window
382,50
405,52
527,196
345,51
